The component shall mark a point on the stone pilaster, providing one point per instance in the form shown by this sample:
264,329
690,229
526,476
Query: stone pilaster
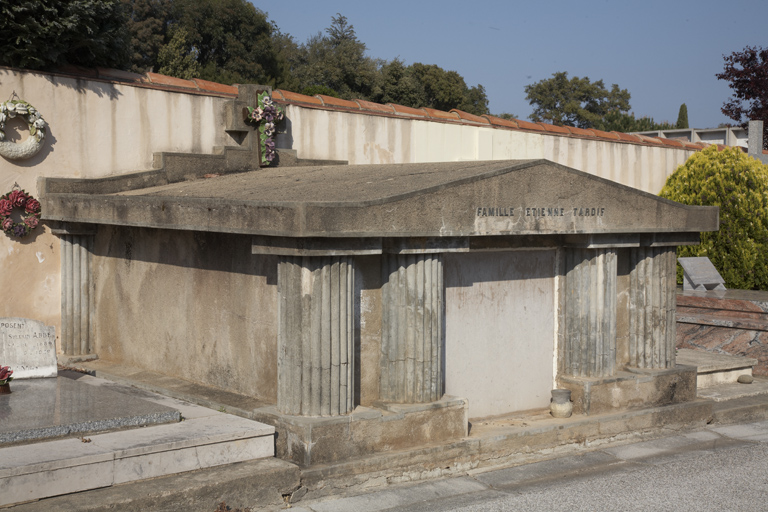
315,362
76,303
589,346
652,304
412,328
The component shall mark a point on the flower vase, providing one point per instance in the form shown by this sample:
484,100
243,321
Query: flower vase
560,406
5,389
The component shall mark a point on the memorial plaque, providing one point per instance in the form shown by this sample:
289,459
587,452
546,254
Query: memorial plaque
28,347
700,274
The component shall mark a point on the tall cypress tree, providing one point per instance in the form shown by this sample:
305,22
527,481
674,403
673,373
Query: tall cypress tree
682,117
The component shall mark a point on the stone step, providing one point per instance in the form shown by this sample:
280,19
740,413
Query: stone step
204,439
715,369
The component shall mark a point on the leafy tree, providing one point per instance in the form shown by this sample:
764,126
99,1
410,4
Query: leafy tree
178,58
682,117
230,39
475,100
44,34
396,83
428,85
747,74
287,54
575,102
506,115
443,89
147,23
738,184
615,121
337,61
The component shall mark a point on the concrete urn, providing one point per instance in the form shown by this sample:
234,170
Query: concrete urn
560,405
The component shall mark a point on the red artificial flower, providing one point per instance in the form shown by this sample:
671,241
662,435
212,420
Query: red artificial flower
5,372
18,198
5,207
33,205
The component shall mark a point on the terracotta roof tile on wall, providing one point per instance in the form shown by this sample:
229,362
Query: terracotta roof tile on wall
628,137
439,114
605,135
581,132
525,125
375,107
408,111
497,121
466,116
554,128
155,78
337,102
671,142
300,98
205,85
116,74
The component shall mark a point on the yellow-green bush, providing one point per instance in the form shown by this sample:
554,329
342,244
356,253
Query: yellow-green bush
738,184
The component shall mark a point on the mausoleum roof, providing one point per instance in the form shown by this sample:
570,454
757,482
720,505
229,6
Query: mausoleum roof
449,199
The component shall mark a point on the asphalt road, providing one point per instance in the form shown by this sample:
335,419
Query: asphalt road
718,468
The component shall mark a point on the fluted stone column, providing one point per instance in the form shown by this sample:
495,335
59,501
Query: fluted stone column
590,313
412,328
76,293
315,370
652,304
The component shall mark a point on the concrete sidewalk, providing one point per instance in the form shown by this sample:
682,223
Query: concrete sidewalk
493,443
489,488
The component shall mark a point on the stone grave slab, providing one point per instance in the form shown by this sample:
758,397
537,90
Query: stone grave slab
28,347
700,274
40,409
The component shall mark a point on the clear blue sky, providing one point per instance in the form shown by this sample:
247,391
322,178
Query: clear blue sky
664,52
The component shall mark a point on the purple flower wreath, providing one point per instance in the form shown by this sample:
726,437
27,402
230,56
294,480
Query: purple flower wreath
30,213
270,114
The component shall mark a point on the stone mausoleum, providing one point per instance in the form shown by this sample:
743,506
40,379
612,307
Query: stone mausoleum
380,306
371,306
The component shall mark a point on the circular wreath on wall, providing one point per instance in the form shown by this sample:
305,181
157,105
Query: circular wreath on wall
22,207
34,143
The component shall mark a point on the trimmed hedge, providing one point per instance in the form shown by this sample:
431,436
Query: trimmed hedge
738,184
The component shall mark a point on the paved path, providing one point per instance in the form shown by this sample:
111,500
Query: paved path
718,468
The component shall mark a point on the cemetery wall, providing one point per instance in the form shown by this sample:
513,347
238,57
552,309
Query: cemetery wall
372,138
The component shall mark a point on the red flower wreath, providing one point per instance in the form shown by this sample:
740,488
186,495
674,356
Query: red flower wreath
30,215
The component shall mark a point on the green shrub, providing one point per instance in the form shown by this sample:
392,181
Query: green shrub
738,184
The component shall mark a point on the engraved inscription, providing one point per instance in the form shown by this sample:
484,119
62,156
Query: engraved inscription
539,211
28,347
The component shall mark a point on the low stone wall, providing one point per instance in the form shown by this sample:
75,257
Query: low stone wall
733,322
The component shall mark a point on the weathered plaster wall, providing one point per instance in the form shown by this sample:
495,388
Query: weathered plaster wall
500,329
370,139
194,305
95,128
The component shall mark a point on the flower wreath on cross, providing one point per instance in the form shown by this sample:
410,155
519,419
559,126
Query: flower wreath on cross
270,114
29,214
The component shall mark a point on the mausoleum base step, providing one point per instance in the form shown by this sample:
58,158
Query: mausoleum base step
725,392
715,369
204,439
